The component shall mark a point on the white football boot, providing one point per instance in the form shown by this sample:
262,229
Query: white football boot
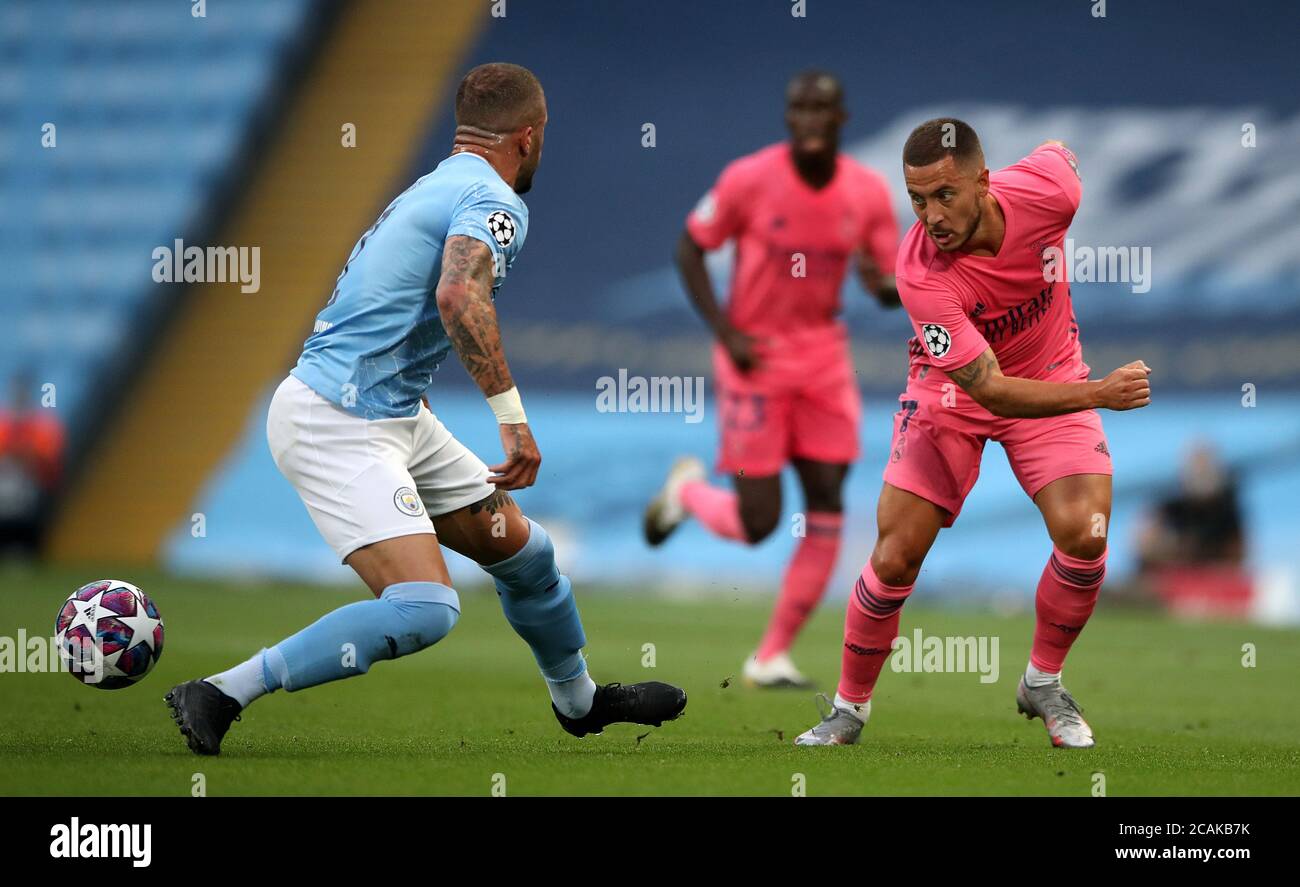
1059,711
665,513
776,672
839,726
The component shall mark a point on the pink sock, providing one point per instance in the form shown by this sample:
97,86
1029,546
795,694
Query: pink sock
870,627
1067,593
804,583
717,509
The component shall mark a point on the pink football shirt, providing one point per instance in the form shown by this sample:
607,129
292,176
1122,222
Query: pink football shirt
793,243
961,305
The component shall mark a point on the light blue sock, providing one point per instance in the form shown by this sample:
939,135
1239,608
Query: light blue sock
539,605
407,617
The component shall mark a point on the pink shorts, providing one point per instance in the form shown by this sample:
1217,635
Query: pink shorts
801,402
936,449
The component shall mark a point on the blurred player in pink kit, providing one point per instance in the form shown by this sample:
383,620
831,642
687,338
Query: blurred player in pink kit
996,357
799,213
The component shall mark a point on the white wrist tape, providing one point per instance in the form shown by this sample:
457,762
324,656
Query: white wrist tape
507,406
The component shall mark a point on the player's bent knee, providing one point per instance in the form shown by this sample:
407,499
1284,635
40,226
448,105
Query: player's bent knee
424,613
1083,545
405,618
894,563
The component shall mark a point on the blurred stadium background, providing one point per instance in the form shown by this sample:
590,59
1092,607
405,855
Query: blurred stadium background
134,410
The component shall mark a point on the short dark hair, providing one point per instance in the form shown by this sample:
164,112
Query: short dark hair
942,137
817,77
499,97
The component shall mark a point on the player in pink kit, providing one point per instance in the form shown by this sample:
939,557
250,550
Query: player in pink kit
996,357
799,213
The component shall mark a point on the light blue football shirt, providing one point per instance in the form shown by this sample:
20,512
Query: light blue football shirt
378,340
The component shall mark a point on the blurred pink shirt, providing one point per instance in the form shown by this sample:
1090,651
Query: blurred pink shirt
782,227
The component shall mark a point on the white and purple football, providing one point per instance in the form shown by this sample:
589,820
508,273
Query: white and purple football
109,634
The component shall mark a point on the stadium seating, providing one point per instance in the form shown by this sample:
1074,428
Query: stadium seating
143,135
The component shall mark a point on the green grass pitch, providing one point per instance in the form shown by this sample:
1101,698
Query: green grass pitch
1174,710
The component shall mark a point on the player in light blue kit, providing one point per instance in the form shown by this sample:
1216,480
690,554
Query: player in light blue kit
383,480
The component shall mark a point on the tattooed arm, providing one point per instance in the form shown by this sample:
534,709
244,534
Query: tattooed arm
464,297
1012,397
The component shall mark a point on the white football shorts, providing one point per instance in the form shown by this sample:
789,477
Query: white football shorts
366,480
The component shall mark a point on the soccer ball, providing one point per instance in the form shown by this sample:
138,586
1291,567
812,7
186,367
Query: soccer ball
502,227
109,634
937,339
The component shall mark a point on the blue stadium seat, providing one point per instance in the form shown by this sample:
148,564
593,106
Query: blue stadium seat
145,131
